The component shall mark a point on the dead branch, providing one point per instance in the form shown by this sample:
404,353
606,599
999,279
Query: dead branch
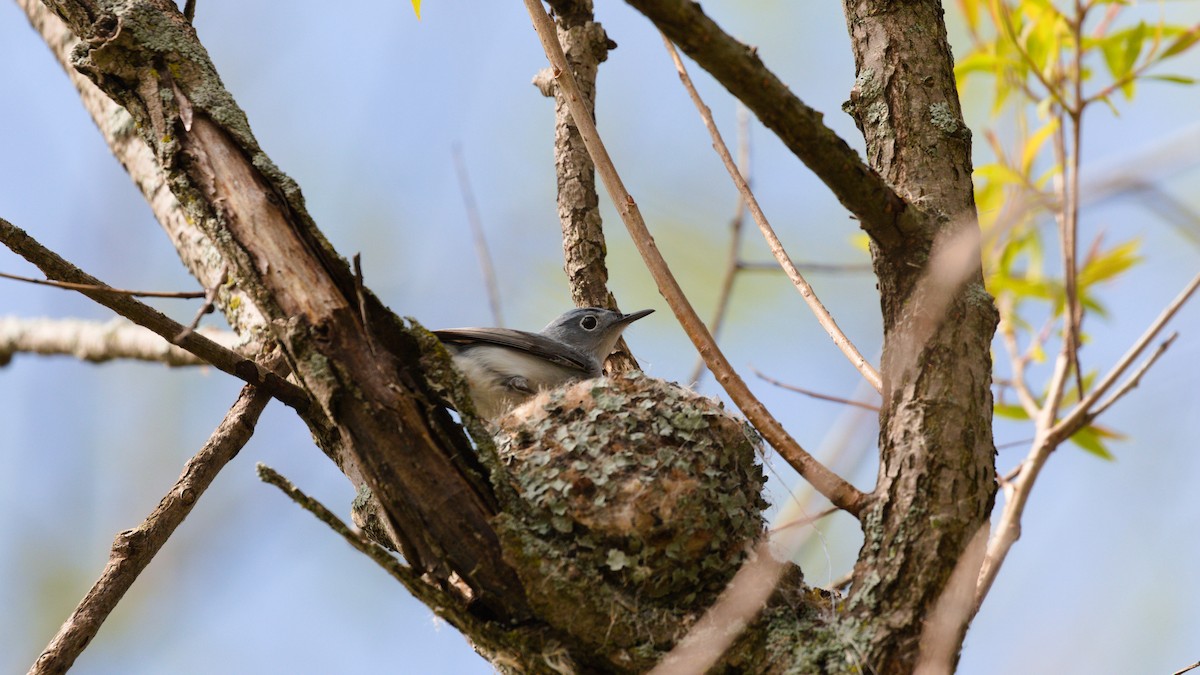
55,267
98,342
133,549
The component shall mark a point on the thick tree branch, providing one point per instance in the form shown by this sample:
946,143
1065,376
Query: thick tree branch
880,210
834,487
133,549
117,127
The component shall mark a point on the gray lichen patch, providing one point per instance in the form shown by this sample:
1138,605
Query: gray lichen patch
941,117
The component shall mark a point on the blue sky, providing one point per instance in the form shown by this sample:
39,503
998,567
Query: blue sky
363,110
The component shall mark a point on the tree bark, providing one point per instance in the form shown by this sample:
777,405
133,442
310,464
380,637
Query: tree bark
936,482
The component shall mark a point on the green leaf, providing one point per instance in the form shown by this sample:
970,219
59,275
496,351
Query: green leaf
970,10
1034,144
1121,50
1177,79
1012,412
999,174
1090,438
1182,43
1110,263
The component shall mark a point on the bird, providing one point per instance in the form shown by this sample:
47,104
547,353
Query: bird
503,367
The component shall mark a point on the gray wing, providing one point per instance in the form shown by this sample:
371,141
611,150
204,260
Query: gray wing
531,343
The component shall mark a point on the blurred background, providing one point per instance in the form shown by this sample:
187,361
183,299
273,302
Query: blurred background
364,109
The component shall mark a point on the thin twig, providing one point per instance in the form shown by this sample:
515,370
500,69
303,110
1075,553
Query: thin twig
813,394
55,267
187,295
1181,671
482,252
1073,420
1136,378
1050,434
806,291
801,522
733,263
819,268
210,297
441,603
133,549
834,487
1073,310
1019,383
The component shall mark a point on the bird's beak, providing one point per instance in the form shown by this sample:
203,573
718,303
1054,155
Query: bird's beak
634,316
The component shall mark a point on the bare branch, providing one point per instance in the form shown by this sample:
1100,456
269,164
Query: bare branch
54,267
187,295
1019,384
98,342
834,487
133,549
1136,378
1078,416
813,394
880,210
1051,434
806,291
733,263
210,297
585,46
1181,671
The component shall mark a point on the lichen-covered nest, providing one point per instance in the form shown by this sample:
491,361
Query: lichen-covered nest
636,481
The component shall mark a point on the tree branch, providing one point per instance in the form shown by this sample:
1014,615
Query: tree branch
133,549
1051,434
834,487
58,269
785,261
98,342
883,213
586,46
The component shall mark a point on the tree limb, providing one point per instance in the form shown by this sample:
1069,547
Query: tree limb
883,213
823,316
58,269
195,249
365,370
98,342
133,549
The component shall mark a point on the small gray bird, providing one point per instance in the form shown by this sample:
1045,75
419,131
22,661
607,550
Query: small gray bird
504,367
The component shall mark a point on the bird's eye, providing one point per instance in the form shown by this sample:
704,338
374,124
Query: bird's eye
588,322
